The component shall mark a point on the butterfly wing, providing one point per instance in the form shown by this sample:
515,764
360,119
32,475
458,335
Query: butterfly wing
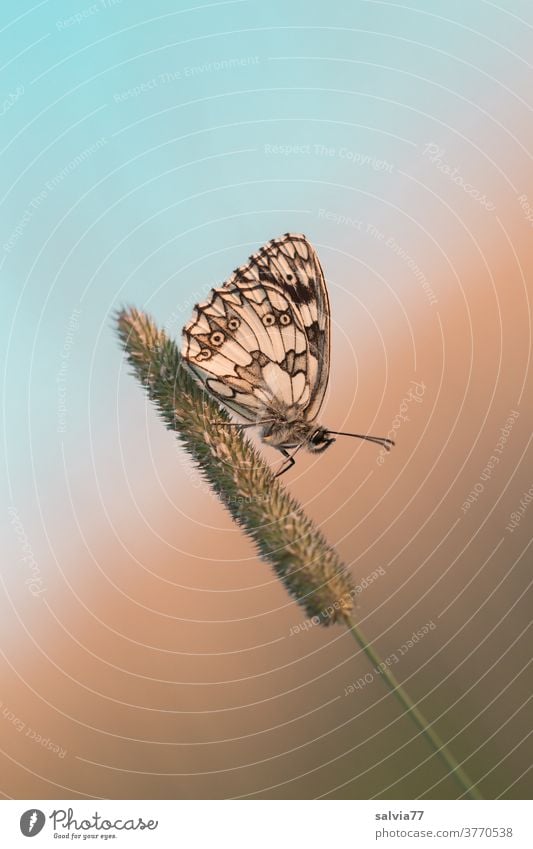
261,341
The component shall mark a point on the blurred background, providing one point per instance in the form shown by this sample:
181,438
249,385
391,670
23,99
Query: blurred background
146,151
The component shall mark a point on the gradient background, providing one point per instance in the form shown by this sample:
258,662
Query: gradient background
156,649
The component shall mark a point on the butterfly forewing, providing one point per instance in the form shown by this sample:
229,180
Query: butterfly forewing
261,341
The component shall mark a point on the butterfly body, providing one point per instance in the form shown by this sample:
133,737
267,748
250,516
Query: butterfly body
260,344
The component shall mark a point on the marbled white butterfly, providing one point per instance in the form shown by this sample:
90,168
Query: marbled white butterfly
260,344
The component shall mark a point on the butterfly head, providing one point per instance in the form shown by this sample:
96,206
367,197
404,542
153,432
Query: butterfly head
318,440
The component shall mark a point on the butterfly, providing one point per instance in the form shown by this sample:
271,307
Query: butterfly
260,344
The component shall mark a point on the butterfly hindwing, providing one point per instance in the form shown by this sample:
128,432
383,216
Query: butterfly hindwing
262,339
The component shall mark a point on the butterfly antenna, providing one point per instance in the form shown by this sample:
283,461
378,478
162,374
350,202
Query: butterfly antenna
378,440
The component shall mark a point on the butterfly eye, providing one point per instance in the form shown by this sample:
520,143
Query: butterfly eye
285,318
204,354
233,324
217,338
269,319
